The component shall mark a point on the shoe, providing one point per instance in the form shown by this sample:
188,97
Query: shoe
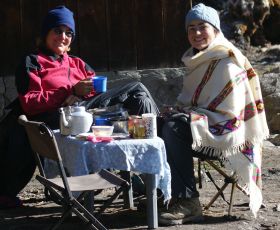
10,202
142,204
181,211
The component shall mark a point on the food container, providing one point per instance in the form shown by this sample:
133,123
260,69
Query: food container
139,129
120,124
102,130
136,127
150,123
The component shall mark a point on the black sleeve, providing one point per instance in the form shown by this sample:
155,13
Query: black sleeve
27,64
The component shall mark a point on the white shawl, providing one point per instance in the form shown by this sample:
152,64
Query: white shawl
222,93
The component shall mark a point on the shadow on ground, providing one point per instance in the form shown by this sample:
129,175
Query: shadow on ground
38,214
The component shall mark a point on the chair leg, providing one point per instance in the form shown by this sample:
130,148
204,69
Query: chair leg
199,173
65,215
87,215
109,201
216,196
86,220
228,180
127,193
88,201
231,198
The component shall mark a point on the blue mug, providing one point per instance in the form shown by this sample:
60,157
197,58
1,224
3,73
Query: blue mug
99,84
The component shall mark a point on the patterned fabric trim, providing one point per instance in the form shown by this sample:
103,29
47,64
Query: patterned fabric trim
248,152
204,80
225,127
227,90
251,73
252,109
228,126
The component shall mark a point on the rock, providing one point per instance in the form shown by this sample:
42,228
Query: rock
277,208
158,82
268,144
272,22
270,84
251,15
275,139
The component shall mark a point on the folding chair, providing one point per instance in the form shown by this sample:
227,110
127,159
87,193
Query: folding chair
228,179
43,144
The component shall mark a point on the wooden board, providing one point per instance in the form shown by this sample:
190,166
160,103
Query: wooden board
175,33
93,40
149,34
110,34
121,35
32,14
10,36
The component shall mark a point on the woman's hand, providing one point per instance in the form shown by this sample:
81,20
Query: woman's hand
83,87
70,100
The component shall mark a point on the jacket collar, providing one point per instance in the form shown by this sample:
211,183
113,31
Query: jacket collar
52,55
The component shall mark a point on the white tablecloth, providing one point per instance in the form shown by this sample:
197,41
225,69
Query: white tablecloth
138,155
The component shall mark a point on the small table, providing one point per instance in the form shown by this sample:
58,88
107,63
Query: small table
146,156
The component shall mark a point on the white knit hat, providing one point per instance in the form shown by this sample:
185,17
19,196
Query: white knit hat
204,13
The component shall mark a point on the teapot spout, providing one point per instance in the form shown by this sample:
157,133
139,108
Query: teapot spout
63,119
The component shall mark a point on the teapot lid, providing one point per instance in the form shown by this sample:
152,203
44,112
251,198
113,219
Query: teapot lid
79,111
79,108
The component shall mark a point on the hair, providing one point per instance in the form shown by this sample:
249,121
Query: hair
41,44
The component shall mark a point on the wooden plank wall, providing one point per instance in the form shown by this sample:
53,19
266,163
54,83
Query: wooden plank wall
111,34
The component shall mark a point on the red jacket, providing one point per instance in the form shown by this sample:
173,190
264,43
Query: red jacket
44,81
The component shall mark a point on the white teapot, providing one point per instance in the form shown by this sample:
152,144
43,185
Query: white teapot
74,120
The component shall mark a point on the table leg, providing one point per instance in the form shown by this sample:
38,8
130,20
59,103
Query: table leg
89,202
151,191
128,193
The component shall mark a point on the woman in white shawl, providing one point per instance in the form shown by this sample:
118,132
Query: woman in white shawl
221,95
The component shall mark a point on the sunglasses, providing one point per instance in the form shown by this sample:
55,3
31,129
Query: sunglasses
59,31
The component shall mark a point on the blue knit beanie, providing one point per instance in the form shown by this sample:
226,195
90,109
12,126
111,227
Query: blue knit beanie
57,17
204,13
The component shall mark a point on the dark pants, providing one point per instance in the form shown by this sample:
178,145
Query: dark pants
134,96
17,163
177,136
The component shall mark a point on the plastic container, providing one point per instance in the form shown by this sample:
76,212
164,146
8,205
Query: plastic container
120,124
102,130
103,121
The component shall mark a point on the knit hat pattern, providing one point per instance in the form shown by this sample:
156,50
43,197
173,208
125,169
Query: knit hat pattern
57,17
204,13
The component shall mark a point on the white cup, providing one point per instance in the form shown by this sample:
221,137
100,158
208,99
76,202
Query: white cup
150,122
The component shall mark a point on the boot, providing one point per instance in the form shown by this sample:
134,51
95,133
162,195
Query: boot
182,211
142,205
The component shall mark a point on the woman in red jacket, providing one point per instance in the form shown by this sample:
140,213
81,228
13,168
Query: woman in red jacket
45,81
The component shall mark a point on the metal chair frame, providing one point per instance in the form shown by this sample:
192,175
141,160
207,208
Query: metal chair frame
43,144
228,179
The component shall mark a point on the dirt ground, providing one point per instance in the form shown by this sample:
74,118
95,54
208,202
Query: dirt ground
39,214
